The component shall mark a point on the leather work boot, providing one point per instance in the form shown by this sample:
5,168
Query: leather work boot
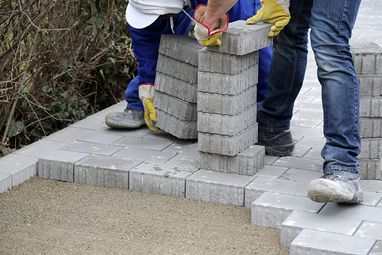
280,144
129,118
339,187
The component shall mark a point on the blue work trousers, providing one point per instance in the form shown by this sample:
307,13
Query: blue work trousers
331,23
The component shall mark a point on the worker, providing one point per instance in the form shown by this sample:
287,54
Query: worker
148,20
331,23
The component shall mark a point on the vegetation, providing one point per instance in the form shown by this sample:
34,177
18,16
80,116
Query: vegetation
59,61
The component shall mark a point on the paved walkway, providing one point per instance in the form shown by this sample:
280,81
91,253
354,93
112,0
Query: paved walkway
89,152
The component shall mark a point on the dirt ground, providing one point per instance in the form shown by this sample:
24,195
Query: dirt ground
49,217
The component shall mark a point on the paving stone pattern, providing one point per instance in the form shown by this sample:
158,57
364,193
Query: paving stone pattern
89,152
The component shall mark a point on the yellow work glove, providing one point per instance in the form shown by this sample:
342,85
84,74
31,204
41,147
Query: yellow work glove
146,94
206,35
275,12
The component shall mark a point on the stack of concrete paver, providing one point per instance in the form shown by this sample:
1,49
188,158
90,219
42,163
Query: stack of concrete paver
176,86
227,79
368,63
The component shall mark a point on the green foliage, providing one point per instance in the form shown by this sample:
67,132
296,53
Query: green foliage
60,61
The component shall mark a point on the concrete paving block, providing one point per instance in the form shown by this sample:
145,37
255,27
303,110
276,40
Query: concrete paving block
300,175
370,169
183,164
377,249
176,88
247,162
104,171
147,155
185,149
371,148
271,209
118,107
370,230
241,39
177,69
19,167
176,107
91,148
144,143
300,163
371,198
5,182
211,186
182,129
317,242
163,179
273,171
227,145
361,212
365,57
370,127
70,134
269,160
371,185
227,124
96,137
370,85
41,148
264,184
93,122
228,64
370,107
228,84
56,170
180,47
298,221
224,104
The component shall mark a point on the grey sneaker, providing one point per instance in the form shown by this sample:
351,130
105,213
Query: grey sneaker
280,144
129,118
339,187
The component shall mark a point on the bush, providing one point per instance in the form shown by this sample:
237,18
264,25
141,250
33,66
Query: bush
60,61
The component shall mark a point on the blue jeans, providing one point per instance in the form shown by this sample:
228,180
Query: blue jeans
331,23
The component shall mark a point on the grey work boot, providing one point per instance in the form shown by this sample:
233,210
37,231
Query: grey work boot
339,187
280,144
129,118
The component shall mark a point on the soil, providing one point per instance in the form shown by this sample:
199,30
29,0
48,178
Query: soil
50,217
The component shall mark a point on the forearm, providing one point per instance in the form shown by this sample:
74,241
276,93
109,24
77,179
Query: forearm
216,9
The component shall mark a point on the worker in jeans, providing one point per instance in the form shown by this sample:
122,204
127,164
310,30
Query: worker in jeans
331,23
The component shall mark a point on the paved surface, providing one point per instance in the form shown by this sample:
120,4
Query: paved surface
88,152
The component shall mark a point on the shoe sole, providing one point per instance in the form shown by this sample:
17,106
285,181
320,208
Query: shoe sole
280,151
124,126
325,191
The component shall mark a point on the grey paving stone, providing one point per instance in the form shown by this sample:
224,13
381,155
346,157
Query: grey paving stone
40,148
96,137
183,164
316,242
370,230
264,184
147,155
180,47
247,162
300,150
298,221
274,171
182,129
313,153
91,148
242,39
371,198
118,107
370,107
143,142
370,127
371,169
225,104
177,69
69,134
271,209
163,179
300,175
92,122
227,145
227,124
176,107
371,148
176,87
269,160
228,64
184,149
5,182
370,85
300,163
211,186
377,249
365,57
104,171
371,185
362,212
19,167
228,84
